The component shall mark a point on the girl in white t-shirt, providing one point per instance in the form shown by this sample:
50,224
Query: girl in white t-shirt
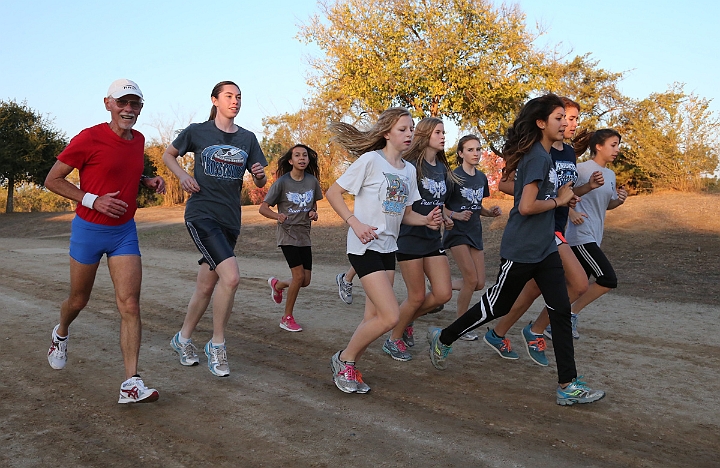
385,188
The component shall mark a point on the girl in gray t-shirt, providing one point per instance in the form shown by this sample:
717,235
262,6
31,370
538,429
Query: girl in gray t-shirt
465,238
295,192
528,249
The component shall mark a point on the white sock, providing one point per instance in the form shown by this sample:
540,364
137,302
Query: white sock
181,339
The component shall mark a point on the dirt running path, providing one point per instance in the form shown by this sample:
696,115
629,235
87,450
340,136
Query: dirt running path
658,362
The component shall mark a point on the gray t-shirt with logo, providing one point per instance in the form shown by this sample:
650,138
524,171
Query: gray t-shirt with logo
421,240
221,160
529,239
464,196
294,198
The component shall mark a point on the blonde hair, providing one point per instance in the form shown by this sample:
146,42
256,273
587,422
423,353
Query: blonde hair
357,142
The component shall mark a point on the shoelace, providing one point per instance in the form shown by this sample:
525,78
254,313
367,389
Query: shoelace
409,331
358,376
188,349
539,343
442,350
506,345
61,347
349,372
219,355
346,287
400,344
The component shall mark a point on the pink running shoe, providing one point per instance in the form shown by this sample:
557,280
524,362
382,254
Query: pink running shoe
288,323
275,294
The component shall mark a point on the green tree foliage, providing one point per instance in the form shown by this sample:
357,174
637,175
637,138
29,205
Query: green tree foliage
670,141
28,147
466,60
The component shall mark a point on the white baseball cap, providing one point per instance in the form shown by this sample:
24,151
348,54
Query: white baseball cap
123,87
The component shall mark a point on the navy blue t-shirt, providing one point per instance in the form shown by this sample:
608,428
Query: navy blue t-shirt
565,163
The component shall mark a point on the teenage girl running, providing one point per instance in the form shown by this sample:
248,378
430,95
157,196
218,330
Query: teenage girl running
564,161
528,249
223,152
385,188
465,239
587,221
295,192
419,252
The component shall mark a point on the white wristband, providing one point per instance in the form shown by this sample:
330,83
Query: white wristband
89,199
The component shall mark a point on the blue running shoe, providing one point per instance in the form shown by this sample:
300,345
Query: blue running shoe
501,345
217,359
578,392
187,351
397,350
535,345
438,351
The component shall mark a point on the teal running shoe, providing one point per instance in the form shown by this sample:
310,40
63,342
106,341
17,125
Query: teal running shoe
578,392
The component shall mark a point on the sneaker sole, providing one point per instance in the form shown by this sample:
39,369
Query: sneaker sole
154,396
572,401
387,351
512,358
285,327
272,291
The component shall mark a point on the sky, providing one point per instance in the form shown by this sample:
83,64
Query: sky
60,57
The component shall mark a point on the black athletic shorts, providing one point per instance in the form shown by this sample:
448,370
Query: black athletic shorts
596,264
214,241
296,256
401,257
372,261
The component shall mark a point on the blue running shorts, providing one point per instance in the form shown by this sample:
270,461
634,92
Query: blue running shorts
90,241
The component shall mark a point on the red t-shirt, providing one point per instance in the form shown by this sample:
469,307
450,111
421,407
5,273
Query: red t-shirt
107,163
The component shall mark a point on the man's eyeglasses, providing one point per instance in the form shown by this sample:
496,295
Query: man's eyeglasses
122,103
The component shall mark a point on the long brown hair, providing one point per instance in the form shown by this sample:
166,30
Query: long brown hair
216,94
421,140
357,142
524,132
591,139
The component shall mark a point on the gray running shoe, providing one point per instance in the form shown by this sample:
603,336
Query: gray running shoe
344,289
187,351
574,322
409,335
577,392
548,332
438,351
501,345
396,350
57,354
344,375
535,345
217,359
469,336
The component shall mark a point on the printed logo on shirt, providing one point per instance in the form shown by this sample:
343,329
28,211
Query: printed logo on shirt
224,161
566,172
396,195
302,201
474,197
436,188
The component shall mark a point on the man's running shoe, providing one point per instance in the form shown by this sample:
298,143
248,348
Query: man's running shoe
344,289
469,336
501,345
535,345
362,387
57,354
275,294
438,351
574,322
344,375
133,390
288,323
577,392
217,359
409,335
396,350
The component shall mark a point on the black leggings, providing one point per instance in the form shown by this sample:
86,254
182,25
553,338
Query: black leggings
497,301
